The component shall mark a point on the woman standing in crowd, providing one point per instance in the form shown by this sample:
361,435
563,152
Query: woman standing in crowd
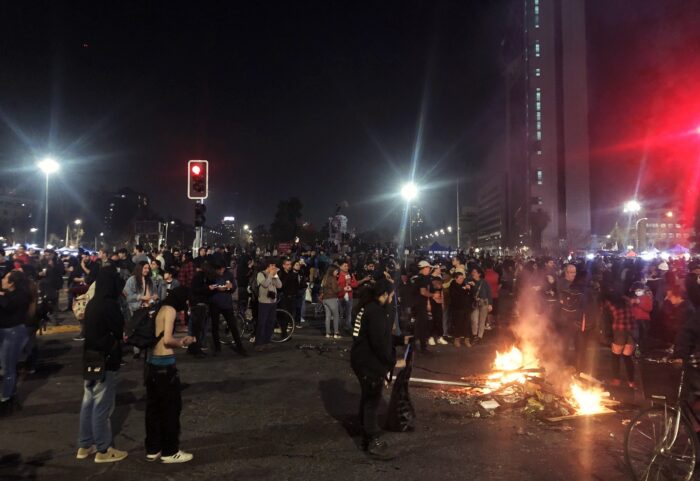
330,292
481,303
139,291
460,301
436,304
623,328
15,299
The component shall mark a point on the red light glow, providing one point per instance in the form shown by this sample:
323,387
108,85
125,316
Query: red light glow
196,170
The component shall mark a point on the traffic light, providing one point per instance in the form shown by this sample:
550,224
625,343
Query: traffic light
199,214
197,179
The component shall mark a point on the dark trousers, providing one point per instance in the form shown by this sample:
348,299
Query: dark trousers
198,316
216,313
267,316
289,304
436,319
163,407
371,396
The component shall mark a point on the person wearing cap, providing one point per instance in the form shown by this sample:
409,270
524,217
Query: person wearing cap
421,285
460,302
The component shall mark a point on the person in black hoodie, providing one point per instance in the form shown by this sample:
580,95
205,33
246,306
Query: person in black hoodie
104,330
15,299
373,357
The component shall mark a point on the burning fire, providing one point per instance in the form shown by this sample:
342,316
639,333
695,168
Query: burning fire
516,366
509,368
587,401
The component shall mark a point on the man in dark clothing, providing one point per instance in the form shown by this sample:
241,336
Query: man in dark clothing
104,329
290,290
692,284
421,297
679,311
573,326
373,357
221,304
203,286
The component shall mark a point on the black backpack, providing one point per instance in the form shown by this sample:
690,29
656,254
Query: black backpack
140,330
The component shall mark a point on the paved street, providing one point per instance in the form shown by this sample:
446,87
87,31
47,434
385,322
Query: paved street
290,415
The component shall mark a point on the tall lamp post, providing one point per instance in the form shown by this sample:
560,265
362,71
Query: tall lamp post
409,191
633,207
48,166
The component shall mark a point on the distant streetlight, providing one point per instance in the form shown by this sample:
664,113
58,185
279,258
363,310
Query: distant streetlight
632,207
33,230
246,227
669,214
48,166
77,222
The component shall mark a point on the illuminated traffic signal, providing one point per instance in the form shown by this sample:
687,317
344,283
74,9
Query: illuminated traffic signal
199,215
197,179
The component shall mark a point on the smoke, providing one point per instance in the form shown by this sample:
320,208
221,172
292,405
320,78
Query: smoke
538,338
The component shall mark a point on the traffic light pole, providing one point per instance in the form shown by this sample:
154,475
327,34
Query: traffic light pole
198,236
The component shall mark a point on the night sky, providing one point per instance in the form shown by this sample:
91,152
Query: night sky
321,100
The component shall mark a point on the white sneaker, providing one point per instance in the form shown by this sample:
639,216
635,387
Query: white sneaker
178,457
153,457
441,340
337,336
110,456
83,453
431,341
328,336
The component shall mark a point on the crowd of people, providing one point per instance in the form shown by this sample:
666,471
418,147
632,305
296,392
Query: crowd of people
181,297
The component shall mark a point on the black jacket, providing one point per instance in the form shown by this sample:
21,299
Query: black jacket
14,308
688,337
460,298
373,352
201,294
104,322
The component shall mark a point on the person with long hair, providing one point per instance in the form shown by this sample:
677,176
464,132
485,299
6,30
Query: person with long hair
140,292
372,358
330,292
15,300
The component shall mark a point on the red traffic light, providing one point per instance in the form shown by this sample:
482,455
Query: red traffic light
197,179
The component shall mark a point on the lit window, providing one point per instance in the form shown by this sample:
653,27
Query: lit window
540,176
538,94
539,125
539,135
537,48
538,72
538,115
539,152
538,106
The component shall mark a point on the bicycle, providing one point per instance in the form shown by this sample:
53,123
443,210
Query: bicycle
661,442
246,325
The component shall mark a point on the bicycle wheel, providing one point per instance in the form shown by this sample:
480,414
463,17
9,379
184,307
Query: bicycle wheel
649,453
284,326
225,336
245,326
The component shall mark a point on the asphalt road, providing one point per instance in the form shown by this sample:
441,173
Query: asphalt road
290,414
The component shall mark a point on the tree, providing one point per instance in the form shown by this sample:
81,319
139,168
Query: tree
285,227
539,220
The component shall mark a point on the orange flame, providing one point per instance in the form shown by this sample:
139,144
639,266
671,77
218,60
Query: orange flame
587,401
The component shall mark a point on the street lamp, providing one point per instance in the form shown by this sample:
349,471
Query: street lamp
48,166
632,207
409,191
77,222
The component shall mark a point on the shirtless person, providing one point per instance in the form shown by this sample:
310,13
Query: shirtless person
163,401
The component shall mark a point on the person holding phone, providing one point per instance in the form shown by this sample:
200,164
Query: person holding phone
268,282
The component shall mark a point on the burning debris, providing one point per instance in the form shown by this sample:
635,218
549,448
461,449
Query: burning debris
518,382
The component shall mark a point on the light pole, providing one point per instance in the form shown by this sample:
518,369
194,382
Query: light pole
636,230
632,207
48,166
409,191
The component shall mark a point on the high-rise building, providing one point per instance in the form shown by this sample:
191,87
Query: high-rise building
547,161
228,228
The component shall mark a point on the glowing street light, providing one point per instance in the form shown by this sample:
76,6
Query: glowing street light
669,214
48,166
77,222
33,230
409,191
632,207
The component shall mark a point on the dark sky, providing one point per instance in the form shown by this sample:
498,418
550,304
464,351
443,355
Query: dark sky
315,99
320,100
